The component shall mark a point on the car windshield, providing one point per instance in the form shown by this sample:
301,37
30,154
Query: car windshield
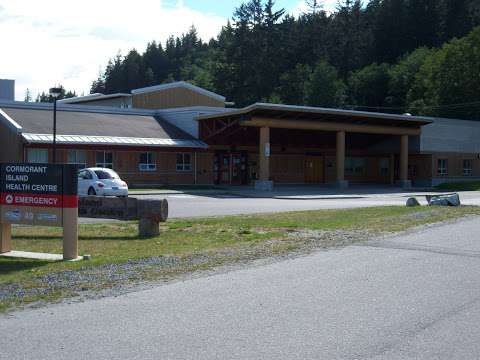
106,174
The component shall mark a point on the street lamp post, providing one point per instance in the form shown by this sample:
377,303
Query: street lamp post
55,93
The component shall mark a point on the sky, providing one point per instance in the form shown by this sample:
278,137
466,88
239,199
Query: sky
49,42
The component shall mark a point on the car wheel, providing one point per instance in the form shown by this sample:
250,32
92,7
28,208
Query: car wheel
92,192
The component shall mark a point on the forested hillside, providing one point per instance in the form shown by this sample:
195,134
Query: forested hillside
417,56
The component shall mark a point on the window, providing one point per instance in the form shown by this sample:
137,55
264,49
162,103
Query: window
85,175
184,162
104,159
106,174
355,166
384,167
467,167
442,168
147,162
77,157
37,156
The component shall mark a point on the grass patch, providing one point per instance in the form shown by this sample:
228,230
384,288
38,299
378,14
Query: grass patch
185,245
460,186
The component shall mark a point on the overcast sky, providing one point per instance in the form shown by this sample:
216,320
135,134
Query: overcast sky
52,42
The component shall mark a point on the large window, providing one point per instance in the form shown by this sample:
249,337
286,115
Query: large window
467,167
77,157
37,156
147,162
184,162
104,159
442,167
355,166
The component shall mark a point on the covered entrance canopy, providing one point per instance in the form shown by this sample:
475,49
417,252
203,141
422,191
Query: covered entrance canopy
261,125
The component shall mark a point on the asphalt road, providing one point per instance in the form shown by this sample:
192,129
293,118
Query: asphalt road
186,205
409,297
194,206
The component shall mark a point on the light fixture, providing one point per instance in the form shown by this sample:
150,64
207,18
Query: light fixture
55,92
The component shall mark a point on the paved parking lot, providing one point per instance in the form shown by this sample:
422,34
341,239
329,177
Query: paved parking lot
182,205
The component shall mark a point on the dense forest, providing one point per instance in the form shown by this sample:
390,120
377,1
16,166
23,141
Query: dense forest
416,56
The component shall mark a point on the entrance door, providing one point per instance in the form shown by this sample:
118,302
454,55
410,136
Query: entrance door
314,170
231,168
223,175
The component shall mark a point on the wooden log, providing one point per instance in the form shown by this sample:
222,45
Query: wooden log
148,227
149,213
153,209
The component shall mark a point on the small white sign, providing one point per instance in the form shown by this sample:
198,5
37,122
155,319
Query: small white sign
267,149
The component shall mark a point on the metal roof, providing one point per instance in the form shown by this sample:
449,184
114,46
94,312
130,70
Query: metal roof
86,127
293,112
92,97
111,140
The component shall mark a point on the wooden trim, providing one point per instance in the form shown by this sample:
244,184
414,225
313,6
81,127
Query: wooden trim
329,126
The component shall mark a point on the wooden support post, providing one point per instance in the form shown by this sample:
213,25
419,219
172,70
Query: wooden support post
264,183
340,160
404,182
392,169
70,233
264,157
5,238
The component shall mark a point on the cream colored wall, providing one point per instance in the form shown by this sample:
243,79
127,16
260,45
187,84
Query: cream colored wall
173,98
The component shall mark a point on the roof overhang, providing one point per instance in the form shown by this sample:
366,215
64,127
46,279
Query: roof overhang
112,140
314,118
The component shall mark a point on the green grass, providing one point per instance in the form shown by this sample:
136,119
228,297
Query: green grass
460,186
117,243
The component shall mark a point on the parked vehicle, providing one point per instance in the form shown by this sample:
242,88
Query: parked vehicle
101,182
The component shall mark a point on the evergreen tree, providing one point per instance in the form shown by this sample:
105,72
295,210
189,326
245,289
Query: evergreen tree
263,54
47,98
28,95
323,87
369,87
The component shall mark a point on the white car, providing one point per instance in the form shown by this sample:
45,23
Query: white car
101,182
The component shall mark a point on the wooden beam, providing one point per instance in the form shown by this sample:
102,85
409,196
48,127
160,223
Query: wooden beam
225,126
330,126
404,158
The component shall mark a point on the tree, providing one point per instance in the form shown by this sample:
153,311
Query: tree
262,53
28,95
368,87
402,77
448,83
291,89
64,94
314,5
323,87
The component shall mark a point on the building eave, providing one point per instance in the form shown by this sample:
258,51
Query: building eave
113,141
